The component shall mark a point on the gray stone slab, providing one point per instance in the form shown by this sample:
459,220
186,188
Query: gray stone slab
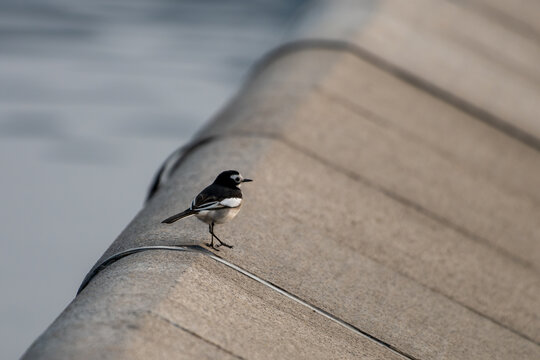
320,238
425,151
479,59
373,200
457,266
481,52
253,321
519,15
169,305
114,318
481,149
413,171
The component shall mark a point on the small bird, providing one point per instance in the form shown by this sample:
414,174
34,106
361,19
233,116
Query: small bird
216,204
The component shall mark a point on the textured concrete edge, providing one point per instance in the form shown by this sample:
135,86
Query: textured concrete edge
202,139
176,158
412,206
316,309
115,257
201,142
200,250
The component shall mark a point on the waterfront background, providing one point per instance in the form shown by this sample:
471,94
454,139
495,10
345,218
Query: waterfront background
93,97
419,120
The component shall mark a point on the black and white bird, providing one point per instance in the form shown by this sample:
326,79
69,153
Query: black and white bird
216,204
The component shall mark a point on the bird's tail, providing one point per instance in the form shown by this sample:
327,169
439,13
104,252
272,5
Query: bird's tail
179,216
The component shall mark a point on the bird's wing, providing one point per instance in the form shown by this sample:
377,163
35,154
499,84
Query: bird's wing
203,201
215,197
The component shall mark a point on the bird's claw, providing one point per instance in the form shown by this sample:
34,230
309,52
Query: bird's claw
216,246
212,246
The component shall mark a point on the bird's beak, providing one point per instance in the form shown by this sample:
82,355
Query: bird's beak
246,180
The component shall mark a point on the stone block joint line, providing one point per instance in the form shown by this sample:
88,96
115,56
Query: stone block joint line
475,111
183,153
192,333
198,249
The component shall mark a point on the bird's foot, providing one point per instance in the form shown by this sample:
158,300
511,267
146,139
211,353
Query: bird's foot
212,246
226,245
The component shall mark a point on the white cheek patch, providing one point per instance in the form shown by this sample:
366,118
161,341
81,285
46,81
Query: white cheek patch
231,202
236,178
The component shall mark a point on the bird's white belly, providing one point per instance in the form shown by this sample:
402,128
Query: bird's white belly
218,216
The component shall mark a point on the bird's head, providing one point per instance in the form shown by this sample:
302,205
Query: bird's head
230,178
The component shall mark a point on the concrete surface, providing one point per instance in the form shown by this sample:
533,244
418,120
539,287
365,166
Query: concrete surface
469,54
395,209
193,315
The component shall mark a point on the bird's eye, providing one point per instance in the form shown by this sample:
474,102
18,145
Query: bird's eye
237,179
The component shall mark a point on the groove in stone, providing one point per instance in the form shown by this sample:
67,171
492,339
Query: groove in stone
195,335
404,201
201,250
359,178
454,100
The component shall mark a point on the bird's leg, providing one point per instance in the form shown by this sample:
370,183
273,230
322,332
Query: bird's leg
211,244
218,239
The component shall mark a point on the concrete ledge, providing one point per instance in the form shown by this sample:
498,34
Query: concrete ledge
382,222
173,305
468,53
372,114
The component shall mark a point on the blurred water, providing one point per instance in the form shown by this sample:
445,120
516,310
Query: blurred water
93,96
